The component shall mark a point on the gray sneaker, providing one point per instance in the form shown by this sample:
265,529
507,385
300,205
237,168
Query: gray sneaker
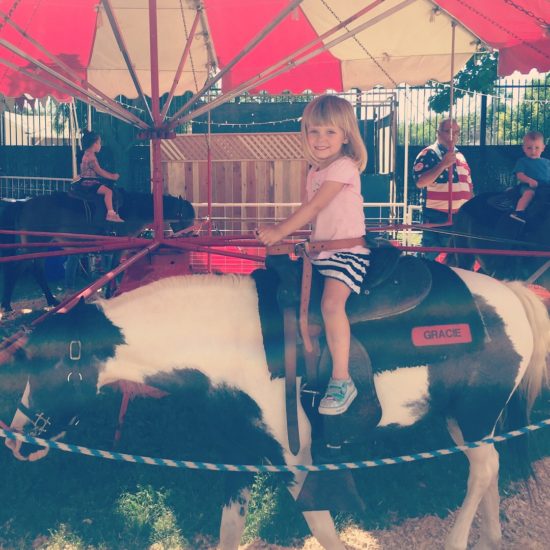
518,215
338,397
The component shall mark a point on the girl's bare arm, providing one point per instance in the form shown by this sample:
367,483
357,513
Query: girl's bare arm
307,212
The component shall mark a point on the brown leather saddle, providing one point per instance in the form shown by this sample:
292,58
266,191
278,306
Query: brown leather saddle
92,203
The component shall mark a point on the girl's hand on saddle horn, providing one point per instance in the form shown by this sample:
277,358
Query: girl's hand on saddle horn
269,234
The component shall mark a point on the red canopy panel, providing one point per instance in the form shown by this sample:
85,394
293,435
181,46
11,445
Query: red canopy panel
518,29
397,41
66,29
233,27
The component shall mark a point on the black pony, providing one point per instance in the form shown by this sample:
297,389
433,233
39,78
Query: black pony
484,223
63,213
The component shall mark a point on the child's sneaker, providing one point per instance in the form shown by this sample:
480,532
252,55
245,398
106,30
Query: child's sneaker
338,397
518,215
112,216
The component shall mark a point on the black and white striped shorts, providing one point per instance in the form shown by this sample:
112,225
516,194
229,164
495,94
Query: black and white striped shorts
347,267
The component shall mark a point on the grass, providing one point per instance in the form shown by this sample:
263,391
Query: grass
76,502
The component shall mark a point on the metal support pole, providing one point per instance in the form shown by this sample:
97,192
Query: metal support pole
451,102
209,183
157,183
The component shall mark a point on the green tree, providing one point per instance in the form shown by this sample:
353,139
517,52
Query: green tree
478,75
511,117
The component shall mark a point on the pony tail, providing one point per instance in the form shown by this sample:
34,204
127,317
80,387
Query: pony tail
536,375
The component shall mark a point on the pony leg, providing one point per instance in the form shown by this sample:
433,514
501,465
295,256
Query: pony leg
482,489
12,271
233,521
323,529
320,522
490,535
40,277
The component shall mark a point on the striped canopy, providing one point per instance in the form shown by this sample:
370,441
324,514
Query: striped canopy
84,48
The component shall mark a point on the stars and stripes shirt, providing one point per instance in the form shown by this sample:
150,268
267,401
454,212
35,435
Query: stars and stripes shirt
437,195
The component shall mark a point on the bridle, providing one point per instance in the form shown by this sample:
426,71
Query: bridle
39,421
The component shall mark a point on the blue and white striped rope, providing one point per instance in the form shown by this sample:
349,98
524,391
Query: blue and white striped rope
194,465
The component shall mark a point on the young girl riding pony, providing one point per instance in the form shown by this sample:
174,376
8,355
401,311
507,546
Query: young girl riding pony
93,177
334,205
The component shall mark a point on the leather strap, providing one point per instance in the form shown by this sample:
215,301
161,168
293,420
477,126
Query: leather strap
303,250
304,301
290,325
315,247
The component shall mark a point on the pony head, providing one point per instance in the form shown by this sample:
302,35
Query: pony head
179,212
61,360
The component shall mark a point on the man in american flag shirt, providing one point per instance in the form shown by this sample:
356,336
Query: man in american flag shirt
431,174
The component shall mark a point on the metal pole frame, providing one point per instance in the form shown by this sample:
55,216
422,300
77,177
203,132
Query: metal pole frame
181,65
293,60
156,180
451,104
256,40
124,51
71,87
62,65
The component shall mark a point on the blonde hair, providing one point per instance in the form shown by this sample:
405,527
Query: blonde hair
331,110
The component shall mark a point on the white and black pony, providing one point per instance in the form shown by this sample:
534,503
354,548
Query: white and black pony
198,341
64,213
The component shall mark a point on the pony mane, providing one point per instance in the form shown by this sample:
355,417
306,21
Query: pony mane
537,372
182,284
85,323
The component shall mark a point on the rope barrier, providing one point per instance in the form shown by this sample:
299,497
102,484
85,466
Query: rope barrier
196,465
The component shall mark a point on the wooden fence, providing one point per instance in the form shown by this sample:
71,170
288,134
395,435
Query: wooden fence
254,177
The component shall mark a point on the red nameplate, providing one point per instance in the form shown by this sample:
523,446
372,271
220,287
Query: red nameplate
441,335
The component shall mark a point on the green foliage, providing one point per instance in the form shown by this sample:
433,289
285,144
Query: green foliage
272,514
62,538
529,114
478,75
146,515
262,508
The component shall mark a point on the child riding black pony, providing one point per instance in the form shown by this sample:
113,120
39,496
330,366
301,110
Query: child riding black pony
93,178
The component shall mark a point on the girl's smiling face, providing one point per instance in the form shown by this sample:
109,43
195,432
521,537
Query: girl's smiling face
326,143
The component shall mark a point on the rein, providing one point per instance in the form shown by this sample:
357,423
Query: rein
526,244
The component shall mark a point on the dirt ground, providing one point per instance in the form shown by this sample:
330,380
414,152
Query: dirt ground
525,526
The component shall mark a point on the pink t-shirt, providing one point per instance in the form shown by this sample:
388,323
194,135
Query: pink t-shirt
343,217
